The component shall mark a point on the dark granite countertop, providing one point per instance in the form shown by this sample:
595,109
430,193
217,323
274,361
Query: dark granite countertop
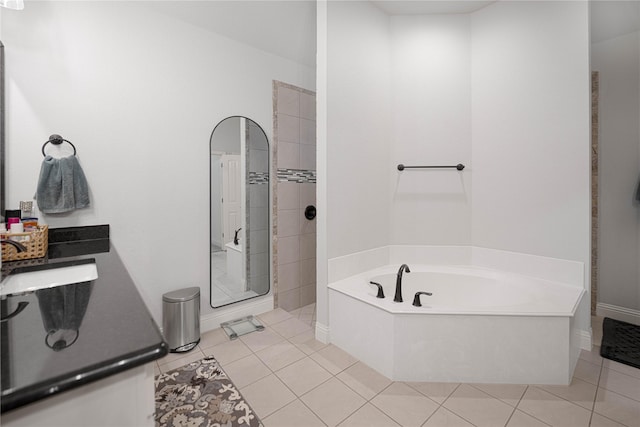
115,330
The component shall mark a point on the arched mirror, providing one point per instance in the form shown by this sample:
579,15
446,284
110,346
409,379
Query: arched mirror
239,190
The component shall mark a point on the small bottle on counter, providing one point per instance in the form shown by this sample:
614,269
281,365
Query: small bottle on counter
30,224
12,213
17,227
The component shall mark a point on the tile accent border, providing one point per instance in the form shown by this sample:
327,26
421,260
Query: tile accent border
258,177
296,175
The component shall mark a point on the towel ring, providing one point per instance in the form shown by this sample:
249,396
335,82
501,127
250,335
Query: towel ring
57,140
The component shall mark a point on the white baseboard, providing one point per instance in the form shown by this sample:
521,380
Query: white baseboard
212,321
618,313
322,333
585,340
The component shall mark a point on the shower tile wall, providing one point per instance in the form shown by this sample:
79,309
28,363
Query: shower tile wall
294,235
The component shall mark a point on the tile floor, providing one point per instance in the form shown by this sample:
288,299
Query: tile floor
290,379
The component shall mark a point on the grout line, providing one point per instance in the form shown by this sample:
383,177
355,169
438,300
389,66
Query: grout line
540,387
438,408
536,418
455,413
595,396
510,416
359,407
463,418
524,412
621,395
380,409
608,418
312,411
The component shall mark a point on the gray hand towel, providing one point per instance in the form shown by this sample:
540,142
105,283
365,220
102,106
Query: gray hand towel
62,186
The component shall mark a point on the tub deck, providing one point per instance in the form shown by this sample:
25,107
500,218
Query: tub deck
481,291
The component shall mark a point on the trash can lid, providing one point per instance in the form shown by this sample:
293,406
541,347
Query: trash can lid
181,295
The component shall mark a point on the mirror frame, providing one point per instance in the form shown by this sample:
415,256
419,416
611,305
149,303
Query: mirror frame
269,214
3,180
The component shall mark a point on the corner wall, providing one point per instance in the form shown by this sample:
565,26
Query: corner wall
431,92
530,119
359,129
617,61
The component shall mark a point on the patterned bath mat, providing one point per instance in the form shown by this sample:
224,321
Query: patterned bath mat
621,342
201,395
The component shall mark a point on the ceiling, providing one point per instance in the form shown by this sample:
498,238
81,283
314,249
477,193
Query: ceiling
423,7
610,19
283,28
286,28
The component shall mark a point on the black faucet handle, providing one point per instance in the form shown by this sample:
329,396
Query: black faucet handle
380,290
416,298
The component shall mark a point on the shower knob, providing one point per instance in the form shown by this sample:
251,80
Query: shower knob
310,212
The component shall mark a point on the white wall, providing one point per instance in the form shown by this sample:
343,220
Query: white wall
513,78
138,93
359,131
617,61
530,120
431,85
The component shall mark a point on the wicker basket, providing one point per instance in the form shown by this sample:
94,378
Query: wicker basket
36,243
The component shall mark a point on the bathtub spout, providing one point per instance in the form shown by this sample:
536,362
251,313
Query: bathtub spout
416,298
398,296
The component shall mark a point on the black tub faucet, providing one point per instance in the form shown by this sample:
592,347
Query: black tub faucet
416,298
398,296
380,291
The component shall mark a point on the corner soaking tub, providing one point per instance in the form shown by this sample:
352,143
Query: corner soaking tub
478,325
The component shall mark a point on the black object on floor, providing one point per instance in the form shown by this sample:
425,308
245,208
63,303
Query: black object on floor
621,342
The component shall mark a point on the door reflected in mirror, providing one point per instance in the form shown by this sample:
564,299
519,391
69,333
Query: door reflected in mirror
239,194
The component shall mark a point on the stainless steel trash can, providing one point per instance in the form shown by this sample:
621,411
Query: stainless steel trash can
181,319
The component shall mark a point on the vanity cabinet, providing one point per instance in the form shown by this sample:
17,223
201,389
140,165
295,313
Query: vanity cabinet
124,400
82,353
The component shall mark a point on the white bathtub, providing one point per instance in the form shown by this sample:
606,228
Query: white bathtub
479,325
234,267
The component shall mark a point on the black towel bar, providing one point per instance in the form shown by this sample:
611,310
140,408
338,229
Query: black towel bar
402,167
57,140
